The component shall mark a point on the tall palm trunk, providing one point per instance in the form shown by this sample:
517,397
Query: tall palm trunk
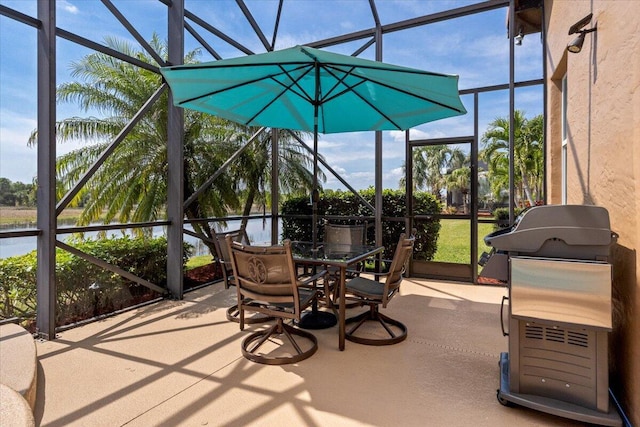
525,184
248,204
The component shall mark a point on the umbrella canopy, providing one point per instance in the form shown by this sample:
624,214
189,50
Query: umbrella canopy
299,87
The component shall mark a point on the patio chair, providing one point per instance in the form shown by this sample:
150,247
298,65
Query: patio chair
342,237
375,294
224,259
266,283
346,234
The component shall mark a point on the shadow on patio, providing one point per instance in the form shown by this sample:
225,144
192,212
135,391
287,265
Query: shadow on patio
179,363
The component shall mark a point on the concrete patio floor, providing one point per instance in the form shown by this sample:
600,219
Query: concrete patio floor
178,363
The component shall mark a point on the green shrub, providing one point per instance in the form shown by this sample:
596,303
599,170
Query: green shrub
502,216
84,289
297,222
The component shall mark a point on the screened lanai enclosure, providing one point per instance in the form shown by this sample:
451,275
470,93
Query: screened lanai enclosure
88,118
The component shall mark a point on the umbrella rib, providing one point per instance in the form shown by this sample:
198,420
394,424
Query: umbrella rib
351,88
245,83
406,92
382,67
339,80
302,93
286,88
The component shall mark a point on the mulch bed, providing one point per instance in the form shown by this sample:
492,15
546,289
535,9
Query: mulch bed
490,281
202,275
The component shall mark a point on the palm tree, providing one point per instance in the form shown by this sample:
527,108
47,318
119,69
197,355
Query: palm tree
528,156
431,164
130,186
253,170
460,180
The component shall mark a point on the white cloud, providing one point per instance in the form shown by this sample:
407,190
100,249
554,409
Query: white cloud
324,144
15,129
339,170
391,179
67,6
18,162
414,133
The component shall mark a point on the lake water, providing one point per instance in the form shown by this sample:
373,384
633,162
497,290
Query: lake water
259,232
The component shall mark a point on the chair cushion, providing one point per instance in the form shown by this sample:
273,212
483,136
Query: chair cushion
365,287
305,296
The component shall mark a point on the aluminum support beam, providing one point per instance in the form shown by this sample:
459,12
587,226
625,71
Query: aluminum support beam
202,41
408,177
474,189
136,35
277,24
204,24
175,159
46,194
378,151
275,184
411,23
20,17
512,106
256,28
63,34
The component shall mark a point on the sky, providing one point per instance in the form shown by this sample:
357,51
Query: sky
475,48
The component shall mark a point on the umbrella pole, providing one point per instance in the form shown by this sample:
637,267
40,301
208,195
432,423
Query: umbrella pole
314,192
316,319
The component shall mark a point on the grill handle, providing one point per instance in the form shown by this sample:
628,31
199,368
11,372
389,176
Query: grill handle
504,333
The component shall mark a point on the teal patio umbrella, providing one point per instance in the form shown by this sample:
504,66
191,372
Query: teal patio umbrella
307,89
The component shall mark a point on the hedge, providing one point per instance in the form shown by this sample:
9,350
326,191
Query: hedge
85,290
297,220
502,216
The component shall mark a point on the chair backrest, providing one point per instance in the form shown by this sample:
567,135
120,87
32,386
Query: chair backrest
222,250
345,234
401,257
265,273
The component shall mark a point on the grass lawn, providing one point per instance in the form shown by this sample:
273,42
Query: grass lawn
19,215
198,261
454,241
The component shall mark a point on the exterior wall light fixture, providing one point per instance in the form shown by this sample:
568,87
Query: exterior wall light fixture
518,38
576,45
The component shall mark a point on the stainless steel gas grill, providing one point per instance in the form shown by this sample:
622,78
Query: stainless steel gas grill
559,279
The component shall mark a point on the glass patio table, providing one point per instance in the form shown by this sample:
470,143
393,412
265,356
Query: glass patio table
337,255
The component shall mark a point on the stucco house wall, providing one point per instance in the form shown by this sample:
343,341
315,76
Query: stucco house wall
603,152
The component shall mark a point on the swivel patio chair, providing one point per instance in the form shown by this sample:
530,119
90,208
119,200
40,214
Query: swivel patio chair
374,294
345,234
342,237
266,283
224,259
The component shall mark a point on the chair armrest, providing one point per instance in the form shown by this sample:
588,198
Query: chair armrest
313,278
383,273
374,274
